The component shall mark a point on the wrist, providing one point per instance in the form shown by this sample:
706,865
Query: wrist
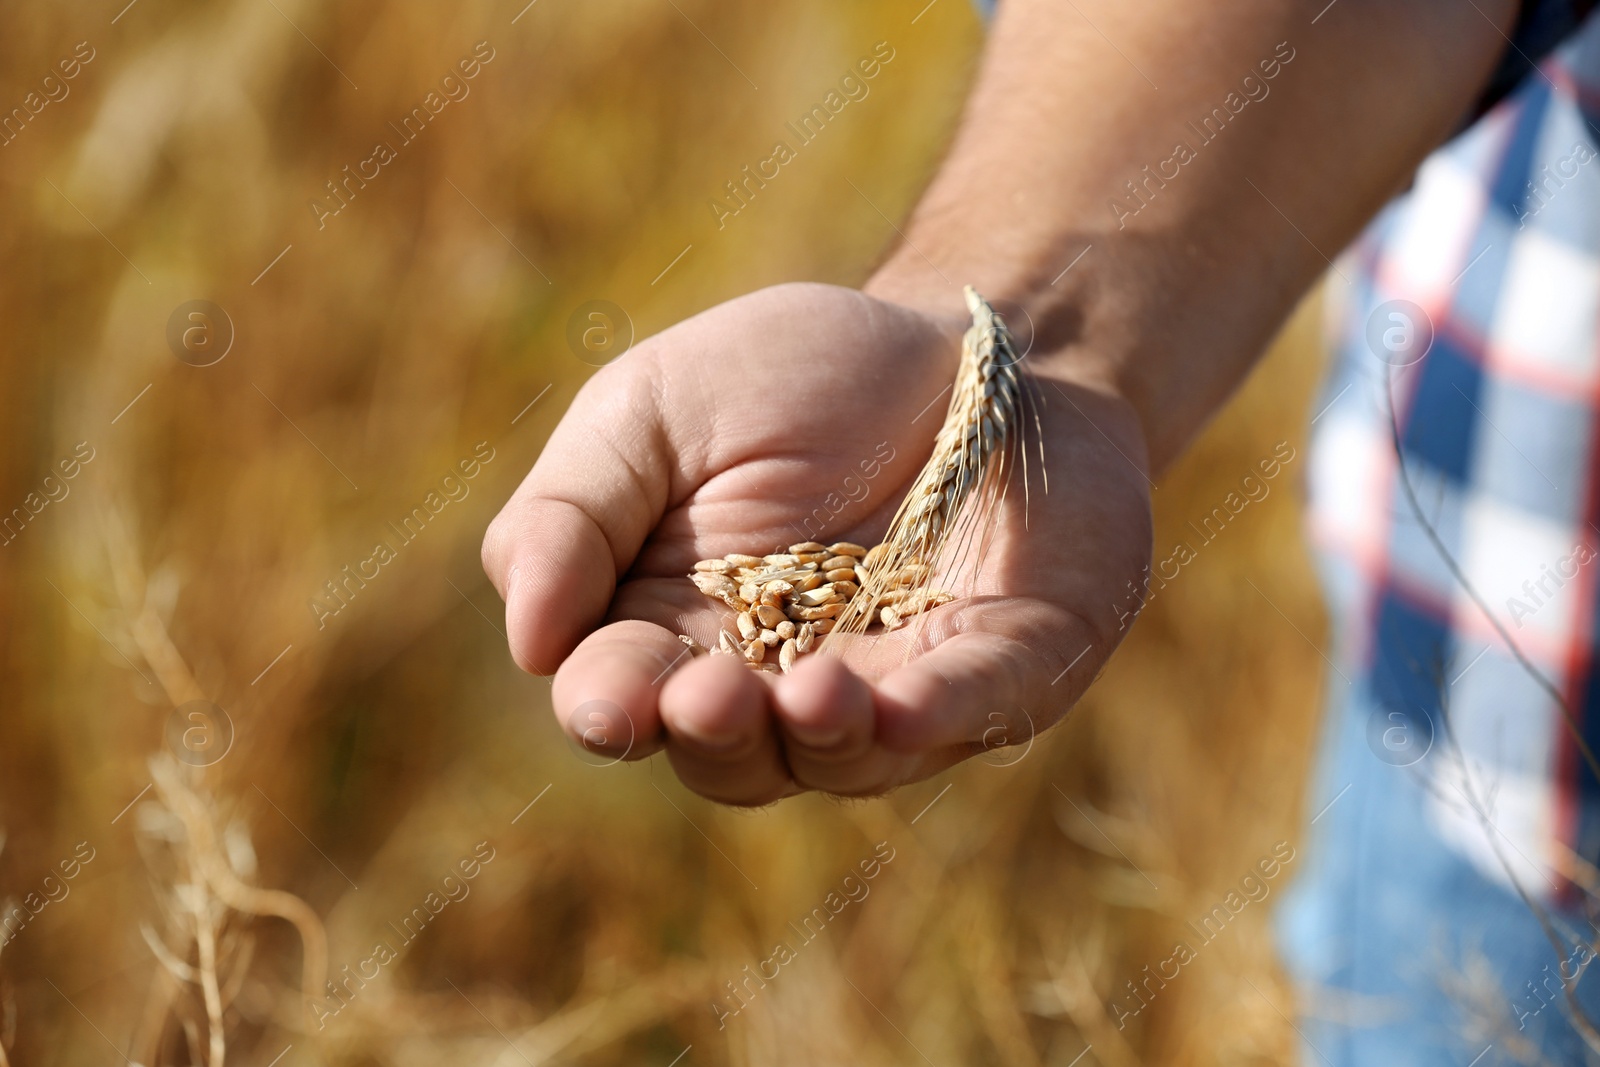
1164,321
1072,317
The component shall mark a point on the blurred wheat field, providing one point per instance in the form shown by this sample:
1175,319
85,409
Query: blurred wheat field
383,747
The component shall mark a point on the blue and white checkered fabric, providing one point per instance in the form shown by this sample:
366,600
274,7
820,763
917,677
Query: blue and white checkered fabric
1498,244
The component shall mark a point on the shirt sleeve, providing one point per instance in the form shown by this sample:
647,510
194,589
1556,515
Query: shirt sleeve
1541,26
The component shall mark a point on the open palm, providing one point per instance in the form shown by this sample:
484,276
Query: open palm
797,413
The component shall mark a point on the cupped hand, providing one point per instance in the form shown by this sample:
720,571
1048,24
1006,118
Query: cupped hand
797,413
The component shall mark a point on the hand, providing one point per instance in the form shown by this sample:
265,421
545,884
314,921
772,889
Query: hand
796,413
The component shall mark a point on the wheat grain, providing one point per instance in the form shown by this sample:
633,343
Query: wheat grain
822,594
747,626
713,584
826,611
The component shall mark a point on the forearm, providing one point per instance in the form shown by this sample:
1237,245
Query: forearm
1191,267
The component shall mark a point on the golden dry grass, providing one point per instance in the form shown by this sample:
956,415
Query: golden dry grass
384,746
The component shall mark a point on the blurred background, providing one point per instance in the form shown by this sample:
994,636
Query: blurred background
265,787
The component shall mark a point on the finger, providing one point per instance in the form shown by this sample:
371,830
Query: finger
717,714
962,689
606,694
602,482
825,712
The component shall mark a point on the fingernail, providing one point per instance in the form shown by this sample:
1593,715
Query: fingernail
717,744
813,736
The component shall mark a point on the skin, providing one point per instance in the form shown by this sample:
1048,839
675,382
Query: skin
662,459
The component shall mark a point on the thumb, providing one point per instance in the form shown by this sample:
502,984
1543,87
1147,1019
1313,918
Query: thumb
576,522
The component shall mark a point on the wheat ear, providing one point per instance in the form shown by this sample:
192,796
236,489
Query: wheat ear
974,456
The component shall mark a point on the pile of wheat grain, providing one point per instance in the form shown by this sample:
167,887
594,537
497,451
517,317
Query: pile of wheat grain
787,600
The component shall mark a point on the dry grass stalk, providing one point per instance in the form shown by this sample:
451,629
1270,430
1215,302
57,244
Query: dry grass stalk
217,866
203,893
201,882
197,939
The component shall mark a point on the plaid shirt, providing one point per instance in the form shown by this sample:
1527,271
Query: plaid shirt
1498,244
